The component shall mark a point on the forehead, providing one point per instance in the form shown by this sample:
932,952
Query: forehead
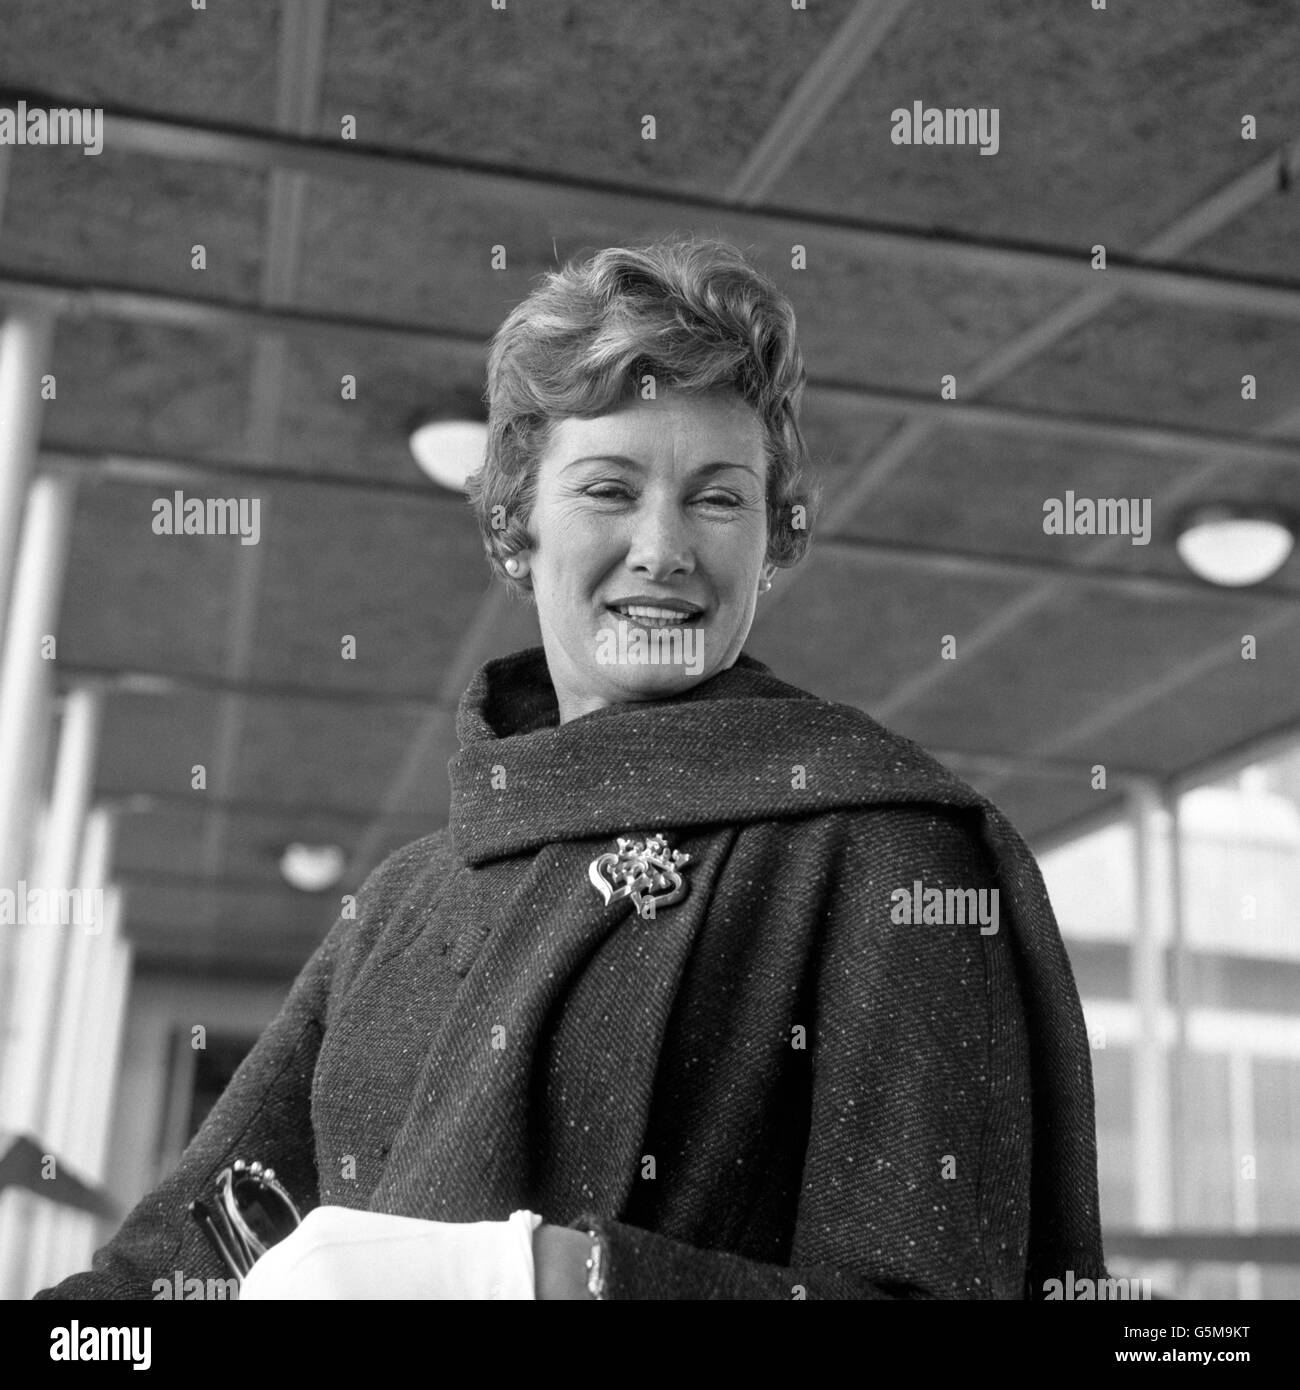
717,424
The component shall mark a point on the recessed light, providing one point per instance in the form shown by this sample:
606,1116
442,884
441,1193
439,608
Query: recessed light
449,450
1235,545
312,868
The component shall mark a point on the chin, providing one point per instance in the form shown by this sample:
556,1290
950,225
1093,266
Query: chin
658,682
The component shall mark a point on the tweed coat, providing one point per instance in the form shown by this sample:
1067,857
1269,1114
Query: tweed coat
772,1089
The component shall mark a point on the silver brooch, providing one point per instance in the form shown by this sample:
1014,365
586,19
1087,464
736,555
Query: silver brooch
644,869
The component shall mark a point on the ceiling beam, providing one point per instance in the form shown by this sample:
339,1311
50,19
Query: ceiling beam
94,466
850,49
138,680
123,680
1137,436
1022,569
78,300
130,801
132,468
1265,179
1196,484
1166,686
1143,436
304,25
558,200
1277,743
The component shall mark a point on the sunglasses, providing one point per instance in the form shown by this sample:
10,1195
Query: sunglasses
250,1212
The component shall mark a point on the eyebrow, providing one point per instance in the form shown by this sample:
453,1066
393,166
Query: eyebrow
705,469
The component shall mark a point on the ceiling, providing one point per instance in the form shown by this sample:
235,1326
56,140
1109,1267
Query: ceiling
522,128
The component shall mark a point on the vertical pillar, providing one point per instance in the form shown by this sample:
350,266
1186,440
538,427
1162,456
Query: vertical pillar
40,957
1181,1096
97,1073
25,337
1242,1137
1152,1148
73,1078
43,948
26,673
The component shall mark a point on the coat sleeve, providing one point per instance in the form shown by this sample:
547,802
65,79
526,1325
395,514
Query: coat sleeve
915,1181
264,1113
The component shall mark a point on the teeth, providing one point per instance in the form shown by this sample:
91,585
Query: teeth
654,614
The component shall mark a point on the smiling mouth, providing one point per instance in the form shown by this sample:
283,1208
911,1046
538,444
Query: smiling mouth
649,615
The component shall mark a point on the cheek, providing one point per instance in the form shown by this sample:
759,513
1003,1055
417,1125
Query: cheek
573,547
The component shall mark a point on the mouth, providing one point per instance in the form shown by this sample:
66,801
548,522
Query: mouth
659,613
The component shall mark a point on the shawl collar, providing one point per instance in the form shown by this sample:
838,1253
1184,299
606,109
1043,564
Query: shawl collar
721,753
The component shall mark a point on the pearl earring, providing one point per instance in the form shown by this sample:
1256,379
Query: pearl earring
512,566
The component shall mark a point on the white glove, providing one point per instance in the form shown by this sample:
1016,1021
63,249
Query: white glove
340,1253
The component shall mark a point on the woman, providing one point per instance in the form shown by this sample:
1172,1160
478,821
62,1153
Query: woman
692,997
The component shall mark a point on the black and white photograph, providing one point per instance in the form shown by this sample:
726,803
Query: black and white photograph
649,651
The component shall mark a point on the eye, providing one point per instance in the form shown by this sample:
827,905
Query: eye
722,499
608,491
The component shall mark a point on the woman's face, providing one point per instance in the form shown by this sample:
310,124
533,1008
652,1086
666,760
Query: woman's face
649,531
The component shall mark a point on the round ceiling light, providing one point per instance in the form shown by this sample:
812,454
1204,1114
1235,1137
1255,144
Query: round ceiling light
448,451
312,868
1235,546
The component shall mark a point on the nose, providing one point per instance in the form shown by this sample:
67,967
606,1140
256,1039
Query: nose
661,543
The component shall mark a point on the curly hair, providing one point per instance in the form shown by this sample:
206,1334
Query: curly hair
692,313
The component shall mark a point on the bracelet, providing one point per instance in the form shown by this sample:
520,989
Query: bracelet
596,1268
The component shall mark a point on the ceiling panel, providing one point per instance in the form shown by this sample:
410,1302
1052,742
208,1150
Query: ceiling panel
985,493
151,743
135,220
854,632
1068,661
1229,703
254,931
135,599
1111,122
218,63
563,86
301,750
1163,363
403,581
147,387
1262,242
368,437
